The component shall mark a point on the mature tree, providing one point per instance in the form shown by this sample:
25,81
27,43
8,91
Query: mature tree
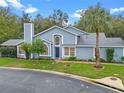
42,23
59,17
118,27
9,27
26,47
47,23
96,19
26,18
37,47
38,23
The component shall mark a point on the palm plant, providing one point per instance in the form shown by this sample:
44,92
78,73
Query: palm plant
26,48
97,19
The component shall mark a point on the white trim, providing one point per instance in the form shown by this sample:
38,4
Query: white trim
18,54
58,35
54,43
94,52
111,46
75,51
50,51
46,41
123,51
76,40
63,52
95,45
53,28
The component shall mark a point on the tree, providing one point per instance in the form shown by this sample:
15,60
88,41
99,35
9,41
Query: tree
96,19
26,47
26,18
59,18
38,47
118,27
9,27
38,22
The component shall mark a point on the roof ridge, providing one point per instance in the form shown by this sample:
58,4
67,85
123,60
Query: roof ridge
55,26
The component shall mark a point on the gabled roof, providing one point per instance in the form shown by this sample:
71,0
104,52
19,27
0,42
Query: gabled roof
12,42
53,28
76,29
103,41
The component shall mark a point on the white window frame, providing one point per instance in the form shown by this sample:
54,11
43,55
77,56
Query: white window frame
18,49
54,44
55,40
69,51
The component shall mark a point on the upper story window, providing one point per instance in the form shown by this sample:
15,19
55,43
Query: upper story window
57,40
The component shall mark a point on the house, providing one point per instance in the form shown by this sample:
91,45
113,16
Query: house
69,41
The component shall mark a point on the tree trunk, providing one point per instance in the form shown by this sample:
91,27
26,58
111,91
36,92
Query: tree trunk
97,54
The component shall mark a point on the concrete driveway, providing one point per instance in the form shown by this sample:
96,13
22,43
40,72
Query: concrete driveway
18,81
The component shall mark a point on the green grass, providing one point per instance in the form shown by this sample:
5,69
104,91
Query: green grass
81,69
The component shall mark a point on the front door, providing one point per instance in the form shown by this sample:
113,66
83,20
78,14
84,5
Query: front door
57,52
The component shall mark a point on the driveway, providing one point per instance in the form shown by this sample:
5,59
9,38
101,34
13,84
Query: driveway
18,81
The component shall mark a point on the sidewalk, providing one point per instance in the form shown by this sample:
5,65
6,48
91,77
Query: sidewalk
112,82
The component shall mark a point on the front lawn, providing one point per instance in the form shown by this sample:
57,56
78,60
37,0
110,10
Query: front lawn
81,69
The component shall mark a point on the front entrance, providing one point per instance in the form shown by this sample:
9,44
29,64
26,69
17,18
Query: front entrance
57,54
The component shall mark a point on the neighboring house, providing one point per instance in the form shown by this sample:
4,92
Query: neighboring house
69,41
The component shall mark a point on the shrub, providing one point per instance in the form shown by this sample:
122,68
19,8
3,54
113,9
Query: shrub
71,58
92,60
122,59
8,52
109,54
38,47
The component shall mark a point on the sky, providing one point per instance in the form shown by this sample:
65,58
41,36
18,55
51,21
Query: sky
72,7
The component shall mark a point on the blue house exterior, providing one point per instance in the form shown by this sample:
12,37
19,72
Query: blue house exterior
70,41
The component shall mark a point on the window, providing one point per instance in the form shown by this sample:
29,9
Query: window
57,40
21,51
46,50
69,51
72,51
66,49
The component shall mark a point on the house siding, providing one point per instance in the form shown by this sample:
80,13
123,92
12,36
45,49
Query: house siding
84,53
117,54
67,37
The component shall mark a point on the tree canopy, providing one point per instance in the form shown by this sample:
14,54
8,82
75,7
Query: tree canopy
11,25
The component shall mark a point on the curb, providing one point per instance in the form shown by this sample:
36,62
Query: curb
88,80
